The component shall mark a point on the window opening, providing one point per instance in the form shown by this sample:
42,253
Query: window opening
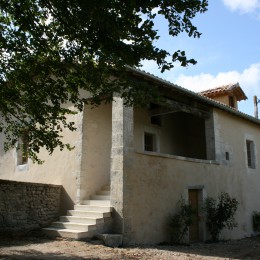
22,152
231,101
156,120
227,156
250,149
149,142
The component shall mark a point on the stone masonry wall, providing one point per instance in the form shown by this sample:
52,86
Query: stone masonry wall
26,206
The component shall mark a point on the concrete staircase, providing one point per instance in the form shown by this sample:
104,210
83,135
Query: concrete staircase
88,219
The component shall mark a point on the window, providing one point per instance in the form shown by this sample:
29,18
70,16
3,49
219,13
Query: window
149,142
227,156
231,101
156,120
250,150
22,149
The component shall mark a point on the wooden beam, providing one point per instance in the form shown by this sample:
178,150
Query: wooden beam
162,111
172,106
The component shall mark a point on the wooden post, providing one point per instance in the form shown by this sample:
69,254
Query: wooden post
256,106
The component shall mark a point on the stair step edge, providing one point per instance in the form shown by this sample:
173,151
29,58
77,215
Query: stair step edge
72,223
92,218
65,229
104,207
86,211
96,202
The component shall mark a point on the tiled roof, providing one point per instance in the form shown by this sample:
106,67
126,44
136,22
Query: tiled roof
235,89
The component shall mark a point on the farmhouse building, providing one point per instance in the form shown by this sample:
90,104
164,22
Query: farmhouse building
131,165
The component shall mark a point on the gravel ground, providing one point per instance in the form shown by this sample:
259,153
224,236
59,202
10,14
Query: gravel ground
38,247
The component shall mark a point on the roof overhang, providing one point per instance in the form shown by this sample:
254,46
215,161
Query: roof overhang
202,99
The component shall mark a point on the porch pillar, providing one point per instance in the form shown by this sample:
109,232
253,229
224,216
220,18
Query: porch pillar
210,137
121,162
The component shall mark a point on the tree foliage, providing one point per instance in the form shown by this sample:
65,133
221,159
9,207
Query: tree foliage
52,49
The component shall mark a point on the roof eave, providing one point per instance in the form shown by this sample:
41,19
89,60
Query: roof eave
203,99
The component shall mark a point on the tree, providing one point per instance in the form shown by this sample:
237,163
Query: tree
52,49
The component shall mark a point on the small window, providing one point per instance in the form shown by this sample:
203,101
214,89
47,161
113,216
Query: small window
156,120
250,149
231,101
227,156
22,149
149,142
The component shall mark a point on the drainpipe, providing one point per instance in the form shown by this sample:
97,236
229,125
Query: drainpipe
256,101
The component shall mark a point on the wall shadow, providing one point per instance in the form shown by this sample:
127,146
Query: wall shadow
66,203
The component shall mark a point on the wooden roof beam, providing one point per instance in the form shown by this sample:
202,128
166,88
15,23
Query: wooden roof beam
172,106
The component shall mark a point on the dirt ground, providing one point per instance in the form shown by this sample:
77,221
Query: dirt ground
39,247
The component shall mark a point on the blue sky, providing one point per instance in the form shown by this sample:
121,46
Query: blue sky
228,50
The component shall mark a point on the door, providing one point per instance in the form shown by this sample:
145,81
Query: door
194,228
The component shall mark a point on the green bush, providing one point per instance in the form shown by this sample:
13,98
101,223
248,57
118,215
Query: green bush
256,221
220,214
179,223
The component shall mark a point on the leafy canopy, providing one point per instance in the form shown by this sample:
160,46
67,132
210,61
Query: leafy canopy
52,49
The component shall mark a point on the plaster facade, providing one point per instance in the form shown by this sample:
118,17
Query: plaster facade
61,168
96,147
226,100
158,180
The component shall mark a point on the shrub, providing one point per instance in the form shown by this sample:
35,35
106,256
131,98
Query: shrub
180,222
256,221
220,214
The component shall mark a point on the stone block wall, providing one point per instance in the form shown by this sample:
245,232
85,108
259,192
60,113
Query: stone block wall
26,206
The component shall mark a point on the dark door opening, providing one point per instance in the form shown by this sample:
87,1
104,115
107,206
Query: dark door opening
194,228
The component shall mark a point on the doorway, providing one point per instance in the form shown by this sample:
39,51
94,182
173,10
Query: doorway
194,230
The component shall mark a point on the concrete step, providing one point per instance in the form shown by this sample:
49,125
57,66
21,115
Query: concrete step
73,226
93,208
100,197
88,214
69,233
86,220
96,202
83,220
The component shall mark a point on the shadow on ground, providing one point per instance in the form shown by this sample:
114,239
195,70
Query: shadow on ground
34,254
43,248
248,248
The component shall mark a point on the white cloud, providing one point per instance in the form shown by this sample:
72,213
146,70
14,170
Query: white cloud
243,6
249,80
149,66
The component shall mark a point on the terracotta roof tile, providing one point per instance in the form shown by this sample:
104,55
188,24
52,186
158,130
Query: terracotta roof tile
225,89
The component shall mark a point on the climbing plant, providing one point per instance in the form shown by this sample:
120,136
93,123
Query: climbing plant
256,221
179,223
220,214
